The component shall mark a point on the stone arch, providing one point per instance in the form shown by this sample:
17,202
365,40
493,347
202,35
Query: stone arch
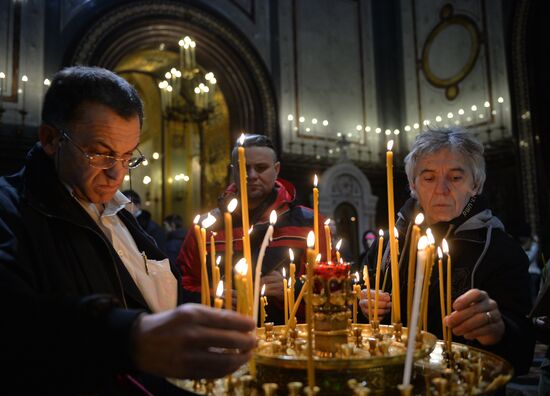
345,183
141,25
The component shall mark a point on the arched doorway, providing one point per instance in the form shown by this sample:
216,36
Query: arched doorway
345,217
139,40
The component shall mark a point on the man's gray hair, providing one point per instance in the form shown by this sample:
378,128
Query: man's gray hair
457,140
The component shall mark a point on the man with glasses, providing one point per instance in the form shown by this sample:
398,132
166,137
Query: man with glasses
266,192
90,304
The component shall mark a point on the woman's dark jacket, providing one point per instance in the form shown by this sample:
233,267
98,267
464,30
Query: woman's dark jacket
483,257
67,301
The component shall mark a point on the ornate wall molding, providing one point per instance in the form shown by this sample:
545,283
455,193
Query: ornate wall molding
141,25
450,20
526,141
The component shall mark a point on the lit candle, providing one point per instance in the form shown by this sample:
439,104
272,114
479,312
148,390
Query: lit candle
441,292
187,40
338,246
228,222
412,255
2,81
207,223
445,246
309,308
181,44
259,263
217,276
297,305
24,81
291,282
411,337
244,210
366,280
204,271
427,276
396,303
377,280
328,239
285,296
241,268
316,214
218,302
357,294
262,307
213,261
193,62
198,237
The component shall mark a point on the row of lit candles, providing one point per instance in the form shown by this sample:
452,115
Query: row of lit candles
456,115
243,268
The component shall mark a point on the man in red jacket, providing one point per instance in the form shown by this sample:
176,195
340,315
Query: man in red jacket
266,192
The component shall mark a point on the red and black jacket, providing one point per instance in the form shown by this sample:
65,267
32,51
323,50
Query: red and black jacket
294,222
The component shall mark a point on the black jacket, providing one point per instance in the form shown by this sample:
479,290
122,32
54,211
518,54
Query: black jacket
67,300
483,257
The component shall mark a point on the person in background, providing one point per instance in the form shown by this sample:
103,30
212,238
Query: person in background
145,220
490,283
530,244
367,240
175,234
266,192
90,304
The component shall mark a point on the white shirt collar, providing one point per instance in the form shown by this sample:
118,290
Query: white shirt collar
111,208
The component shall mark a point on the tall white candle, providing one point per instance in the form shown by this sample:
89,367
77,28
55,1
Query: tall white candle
411,338
265,242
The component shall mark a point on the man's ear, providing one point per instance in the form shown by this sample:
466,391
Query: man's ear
49,138
277,167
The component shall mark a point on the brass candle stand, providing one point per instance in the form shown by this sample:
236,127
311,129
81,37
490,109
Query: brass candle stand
355,359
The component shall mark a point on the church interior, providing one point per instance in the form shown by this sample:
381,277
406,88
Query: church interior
329,81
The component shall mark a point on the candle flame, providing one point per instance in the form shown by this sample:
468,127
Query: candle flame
196,219
395,233
232,205
315,181
357,277
327,222
439,253
241,139
430,236
263,290
218,260
419,219
250,229
209,221
219,290
241,267
291,255
318,258
338,244
273,217
341,260
445,246
284,272
422,242
390,145
381,232
311,240
289,282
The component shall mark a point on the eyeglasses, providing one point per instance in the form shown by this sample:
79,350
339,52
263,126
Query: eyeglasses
101,161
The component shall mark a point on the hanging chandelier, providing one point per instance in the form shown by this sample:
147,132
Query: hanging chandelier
186,94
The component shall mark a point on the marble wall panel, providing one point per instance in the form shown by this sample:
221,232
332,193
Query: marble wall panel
454,64
326,70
